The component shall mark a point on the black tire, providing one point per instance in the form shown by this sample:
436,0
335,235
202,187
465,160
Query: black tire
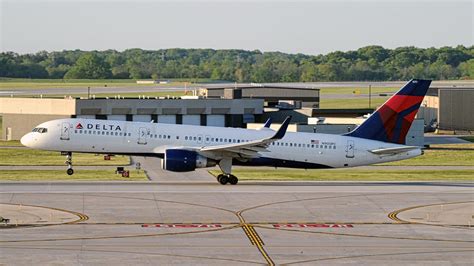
223,180
70,171
233,180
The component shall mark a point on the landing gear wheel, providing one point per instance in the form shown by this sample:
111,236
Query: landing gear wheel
233,180
69,170
223,179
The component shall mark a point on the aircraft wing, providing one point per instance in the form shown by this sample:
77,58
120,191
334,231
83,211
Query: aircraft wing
393,150
245,149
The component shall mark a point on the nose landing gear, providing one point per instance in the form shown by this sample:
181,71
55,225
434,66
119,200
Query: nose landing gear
68,162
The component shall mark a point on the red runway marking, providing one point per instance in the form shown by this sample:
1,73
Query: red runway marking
312,225
182,225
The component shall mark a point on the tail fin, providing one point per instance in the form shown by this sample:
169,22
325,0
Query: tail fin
391,122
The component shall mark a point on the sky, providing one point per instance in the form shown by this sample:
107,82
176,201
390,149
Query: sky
308,27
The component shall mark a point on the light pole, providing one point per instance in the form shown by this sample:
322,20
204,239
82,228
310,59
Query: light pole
370,96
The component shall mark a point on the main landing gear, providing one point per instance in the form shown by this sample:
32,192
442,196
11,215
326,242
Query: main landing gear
224,179
68,162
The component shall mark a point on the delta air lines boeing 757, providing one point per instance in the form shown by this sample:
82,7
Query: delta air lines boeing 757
183,148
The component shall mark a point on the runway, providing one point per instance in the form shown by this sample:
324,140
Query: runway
269,223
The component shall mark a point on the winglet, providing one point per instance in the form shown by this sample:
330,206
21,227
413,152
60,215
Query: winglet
282,130
268,123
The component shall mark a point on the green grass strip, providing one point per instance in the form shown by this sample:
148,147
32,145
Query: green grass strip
79,175
351,175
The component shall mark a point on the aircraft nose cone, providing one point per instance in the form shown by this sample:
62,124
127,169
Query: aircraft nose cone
26,140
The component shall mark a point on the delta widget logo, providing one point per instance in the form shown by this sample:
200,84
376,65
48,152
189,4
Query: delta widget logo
79,126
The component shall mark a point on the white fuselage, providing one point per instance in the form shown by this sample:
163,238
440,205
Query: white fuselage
153,139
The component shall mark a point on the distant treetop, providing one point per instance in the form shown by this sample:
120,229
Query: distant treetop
364,64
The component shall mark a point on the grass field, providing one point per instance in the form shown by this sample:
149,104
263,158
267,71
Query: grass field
357,90
37,157
59,83
7,83
11,143
349,103
112,95
84,175
351,175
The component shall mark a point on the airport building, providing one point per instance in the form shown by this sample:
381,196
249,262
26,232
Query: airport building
273,95
449,108
215,106
20,115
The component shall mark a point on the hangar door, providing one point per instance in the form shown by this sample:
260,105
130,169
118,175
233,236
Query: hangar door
167,119
142,118
192,120
215,120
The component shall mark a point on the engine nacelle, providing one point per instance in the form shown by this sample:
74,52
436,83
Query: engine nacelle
177,160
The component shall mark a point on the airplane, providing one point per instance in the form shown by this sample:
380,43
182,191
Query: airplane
380,138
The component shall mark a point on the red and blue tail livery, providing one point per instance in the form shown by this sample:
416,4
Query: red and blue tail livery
391,122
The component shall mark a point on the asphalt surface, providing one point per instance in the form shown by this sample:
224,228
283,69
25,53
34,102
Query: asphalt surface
203,223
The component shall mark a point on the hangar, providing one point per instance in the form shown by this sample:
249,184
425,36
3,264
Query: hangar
449,108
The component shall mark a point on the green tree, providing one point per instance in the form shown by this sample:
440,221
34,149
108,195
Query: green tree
89,66
467,69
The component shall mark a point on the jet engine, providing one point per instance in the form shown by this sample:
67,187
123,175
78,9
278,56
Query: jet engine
177,160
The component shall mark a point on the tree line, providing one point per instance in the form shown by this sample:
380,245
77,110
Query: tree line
370,63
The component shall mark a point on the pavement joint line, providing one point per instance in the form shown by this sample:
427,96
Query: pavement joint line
394,214
82,217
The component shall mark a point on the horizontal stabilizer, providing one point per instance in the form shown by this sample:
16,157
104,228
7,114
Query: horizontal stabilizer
394,150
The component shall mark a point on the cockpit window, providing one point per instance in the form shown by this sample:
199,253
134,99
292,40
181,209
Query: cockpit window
40,130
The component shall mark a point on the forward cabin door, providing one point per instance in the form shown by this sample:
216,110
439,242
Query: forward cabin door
350,149
65,128
142,135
